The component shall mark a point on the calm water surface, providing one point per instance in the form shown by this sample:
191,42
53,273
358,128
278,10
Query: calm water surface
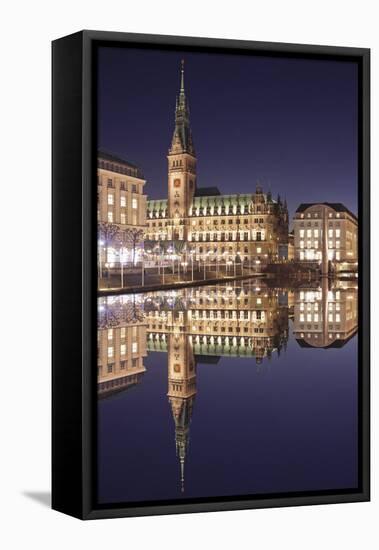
238,389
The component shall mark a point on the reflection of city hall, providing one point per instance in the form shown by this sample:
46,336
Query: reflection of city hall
200,223
199,325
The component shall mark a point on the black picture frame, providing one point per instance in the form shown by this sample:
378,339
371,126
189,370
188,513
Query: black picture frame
75,282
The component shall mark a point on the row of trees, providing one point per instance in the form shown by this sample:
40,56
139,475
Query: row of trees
111,235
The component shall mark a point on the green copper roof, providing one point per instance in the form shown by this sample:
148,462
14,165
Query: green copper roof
157,204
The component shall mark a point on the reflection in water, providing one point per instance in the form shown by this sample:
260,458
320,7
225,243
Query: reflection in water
121,341
326,317
201,324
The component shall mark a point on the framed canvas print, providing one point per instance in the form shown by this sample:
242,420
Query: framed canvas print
210,274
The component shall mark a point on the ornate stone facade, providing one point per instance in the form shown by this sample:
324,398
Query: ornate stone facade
209,225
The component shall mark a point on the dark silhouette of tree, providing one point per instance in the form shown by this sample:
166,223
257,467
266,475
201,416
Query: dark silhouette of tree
133,236
108,232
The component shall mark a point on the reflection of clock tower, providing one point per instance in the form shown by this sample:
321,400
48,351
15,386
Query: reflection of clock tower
181,166
181,391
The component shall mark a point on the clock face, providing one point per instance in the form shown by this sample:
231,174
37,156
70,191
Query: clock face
177,183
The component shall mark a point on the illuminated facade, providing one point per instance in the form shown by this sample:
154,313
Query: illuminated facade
249,320
202,223
121,212
326,232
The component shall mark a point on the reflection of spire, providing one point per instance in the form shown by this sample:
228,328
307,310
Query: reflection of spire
181,391
182,413
182,475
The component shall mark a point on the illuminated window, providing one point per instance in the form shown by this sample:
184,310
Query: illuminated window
123,218
259,250
122,332
301,255
134,347
338,318
122,201
123,349
110,333
110,216
309,317
338,244
338,255
330,244
338,233
309,232
330,233
110,351
301,233
315,317
315,233
330,317
259,301
134,203
316,244
301,244
110,198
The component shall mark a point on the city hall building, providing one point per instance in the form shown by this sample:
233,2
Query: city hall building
206,223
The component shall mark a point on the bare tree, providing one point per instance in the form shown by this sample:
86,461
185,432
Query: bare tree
133,236
108,232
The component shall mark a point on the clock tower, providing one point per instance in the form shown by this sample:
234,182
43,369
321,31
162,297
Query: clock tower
181,166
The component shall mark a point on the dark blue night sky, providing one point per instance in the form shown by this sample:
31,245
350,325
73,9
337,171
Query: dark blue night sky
290,124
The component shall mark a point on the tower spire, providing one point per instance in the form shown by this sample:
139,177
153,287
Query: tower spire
182,76
182,137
